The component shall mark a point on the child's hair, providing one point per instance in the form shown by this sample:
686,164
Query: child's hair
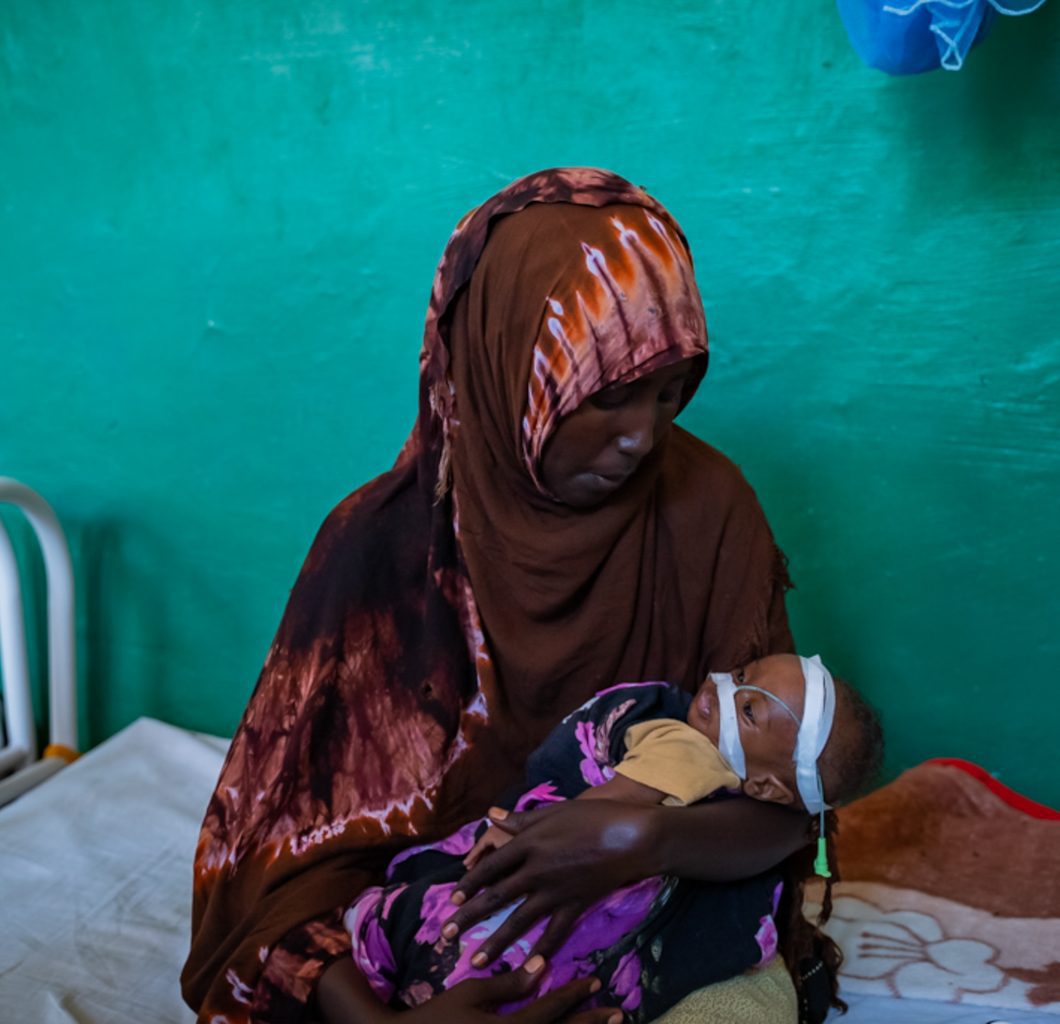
848,766
853,757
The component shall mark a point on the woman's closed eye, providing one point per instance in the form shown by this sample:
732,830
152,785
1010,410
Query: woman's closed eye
612,398
672,393
621,394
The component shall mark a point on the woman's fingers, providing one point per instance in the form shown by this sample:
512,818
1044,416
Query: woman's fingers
492,839
499,865
558,928
484,904
477,852
486,993
517,924
514,822
604,1015
555,1007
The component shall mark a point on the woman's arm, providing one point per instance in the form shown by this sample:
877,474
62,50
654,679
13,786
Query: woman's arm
726,840
618,788
566,856
344,997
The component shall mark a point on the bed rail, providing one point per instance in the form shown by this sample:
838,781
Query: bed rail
20,767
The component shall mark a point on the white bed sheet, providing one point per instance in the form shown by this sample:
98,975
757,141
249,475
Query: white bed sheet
95,890
95,882
881,1010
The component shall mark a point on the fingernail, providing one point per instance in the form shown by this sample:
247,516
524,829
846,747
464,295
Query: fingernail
534,964
458,898
595,986
479,960
498,813
615,1018
450,931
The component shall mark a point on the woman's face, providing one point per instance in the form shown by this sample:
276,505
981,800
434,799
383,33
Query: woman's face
599,446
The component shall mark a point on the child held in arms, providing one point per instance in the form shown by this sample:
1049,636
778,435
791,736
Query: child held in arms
781,729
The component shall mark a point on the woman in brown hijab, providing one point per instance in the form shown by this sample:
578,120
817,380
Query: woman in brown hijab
544,532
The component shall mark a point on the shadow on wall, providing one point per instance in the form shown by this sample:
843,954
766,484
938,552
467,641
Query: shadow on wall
132,625
95,547
986,113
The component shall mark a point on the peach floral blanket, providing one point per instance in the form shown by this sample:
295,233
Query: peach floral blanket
950,891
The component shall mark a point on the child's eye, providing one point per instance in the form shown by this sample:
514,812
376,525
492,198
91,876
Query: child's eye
748,711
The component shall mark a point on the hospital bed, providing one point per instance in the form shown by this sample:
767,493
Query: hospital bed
96,852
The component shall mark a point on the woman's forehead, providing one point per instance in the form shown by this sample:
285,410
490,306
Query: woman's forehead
626,304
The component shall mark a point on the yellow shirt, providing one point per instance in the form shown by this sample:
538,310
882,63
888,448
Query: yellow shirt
671,756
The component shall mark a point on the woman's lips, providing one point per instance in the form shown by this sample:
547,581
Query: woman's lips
607,481
614,477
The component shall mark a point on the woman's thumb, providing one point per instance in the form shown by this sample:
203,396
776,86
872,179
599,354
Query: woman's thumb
513,822
507,820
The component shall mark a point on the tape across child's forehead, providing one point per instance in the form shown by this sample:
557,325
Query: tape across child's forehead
815,726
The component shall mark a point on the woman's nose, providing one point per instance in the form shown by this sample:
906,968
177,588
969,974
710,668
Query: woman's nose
637,437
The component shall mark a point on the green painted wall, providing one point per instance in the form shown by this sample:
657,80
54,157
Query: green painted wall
218,225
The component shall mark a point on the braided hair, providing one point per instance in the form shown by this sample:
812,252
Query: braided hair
849,764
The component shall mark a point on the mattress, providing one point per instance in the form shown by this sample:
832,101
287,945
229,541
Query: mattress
882,1010
95,883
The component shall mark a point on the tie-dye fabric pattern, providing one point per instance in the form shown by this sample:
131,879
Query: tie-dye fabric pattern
430,642
634,300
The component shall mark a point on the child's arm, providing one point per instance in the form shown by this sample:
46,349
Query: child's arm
627,790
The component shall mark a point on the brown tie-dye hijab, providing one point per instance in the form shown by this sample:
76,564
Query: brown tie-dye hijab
450,612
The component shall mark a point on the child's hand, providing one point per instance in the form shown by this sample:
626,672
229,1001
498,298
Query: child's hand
492,839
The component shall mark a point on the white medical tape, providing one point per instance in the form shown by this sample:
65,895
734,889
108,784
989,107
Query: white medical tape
728,728
818,712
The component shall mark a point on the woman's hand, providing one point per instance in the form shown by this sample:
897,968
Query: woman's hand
343,997
492,839
472,1001
562,859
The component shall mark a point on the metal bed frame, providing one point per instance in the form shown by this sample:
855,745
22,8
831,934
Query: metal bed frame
20,766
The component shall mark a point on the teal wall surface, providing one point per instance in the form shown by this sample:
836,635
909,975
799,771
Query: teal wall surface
218,227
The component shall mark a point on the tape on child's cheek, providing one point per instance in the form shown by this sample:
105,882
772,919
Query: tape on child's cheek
729,729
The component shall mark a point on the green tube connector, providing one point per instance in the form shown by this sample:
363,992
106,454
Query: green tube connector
820,864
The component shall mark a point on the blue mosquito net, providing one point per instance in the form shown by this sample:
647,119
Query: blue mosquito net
905,37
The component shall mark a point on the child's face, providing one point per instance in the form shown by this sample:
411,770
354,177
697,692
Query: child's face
767,731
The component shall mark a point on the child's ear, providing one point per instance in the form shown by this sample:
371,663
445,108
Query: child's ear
769,787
